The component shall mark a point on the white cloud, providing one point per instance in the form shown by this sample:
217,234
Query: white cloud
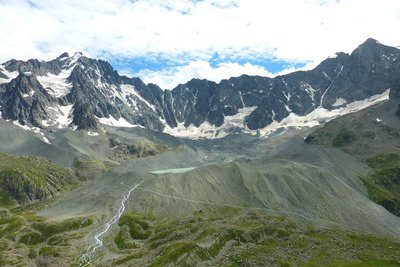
183,31
201,69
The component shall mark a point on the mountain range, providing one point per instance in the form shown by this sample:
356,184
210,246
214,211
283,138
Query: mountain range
91,173
83,93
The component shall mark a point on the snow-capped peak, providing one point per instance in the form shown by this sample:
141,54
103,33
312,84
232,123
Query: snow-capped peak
71,61
77,56
57,85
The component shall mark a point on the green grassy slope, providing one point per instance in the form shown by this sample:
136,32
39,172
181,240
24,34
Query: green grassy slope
237,238
231,237
26,178
383,182
30,240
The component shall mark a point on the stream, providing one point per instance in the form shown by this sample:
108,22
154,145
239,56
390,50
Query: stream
90,252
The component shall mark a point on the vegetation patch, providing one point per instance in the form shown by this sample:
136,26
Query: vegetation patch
123,239
383,161
244,238
49,251
87,168
9,227
26,178
138,228
129,258
123,150
6,201
173,253
321,136
343,138
383,182
42,231
247,238
370,264
36,240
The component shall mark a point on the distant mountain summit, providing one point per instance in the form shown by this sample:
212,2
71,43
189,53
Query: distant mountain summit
83,93
72,91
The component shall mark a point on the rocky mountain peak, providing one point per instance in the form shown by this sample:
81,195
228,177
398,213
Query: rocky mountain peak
369,45
372,48
63,55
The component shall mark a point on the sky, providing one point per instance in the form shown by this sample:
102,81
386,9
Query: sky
171,42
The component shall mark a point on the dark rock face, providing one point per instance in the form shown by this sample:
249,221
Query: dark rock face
84,118
3,76
98,91
370,69
34,66
25,100
96,86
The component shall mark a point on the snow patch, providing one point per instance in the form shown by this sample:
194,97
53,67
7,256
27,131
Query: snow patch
321,115
378,120
63,58
241,98
44,138
287,96
333,56
205,130
339,102
234,123
31,93
90,133
127,91
308,88
72,60
326,75
284,82
329,87
57,85
64,117
10,75
121,122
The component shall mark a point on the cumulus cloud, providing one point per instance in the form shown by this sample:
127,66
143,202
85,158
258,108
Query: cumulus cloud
179,32
201,69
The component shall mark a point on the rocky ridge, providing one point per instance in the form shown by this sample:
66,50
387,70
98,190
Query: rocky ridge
83,93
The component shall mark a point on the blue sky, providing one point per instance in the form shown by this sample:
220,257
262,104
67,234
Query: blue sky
171,42
131,66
